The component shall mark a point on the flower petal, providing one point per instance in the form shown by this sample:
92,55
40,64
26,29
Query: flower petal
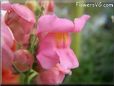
54,40
80,22
68,60
47,58
51,23
51,76
24,12
5,6
27,17
7,57
6,35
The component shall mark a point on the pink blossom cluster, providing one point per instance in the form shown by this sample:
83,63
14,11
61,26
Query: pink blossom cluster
53,57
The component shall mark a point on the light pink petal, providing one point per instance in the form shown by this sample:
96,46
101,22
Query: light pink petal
6,35
51,77
47,58
51,23
7,41
80,22
68,60
66,71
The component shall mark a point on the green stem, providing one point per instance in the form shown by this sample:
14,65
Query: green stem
34,73
76,37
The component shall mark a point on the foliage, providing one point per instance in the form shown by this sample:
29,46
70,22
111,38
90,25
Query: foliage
96,61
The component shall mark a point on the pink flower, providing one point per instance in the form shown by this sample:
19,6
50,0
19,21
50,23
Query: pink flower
8,45
54,43
54,47
52,76
20,19
23,60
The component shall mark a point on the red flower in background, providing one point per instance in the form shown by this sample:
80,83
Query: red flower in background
9,78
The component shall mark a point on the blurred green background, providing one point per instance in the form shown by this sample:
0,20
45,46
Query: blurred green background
94,46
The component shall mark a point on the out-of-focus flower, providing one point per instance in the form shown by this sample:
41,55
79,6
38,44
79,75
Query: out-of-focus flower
48,6
23,60
8,77
31,4
20,20
112,17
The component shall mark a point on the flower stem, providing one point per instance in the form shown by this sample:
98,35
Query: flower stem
76,37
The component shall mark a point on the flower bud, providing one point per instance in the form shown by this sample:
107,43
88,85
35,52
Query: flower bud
23,60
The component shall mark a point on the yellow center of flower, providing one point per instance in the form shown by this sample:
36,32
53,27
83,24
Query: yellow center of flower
61,39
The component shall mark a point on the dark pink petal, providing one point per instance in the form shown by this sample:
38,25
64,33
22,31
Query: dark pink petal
24,12
5,6
80,22
50,6
17,14
23,60
20,20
